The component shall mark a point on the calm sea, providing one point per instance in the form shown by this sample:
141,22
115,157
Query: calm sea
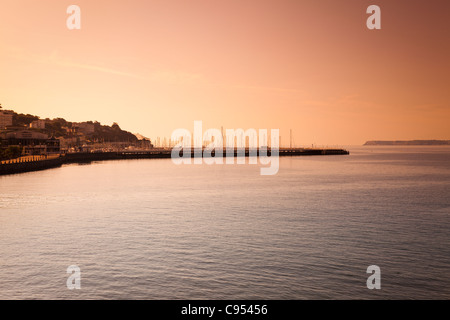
148,229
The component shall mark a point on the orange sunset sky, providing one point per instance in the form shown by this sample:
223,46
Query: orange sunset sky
157,65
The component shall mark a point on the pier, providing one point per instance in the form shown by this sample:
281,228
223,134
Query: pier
36,163
30,163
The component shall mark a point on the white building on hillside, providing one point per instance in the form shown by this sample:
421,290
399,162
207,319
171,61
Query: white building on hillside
38,124
6,119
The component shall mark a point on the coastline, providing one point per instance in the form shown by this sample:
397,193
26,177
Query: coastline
15,166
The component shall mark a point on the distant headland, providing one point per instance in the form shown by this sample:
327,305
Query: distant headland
408,143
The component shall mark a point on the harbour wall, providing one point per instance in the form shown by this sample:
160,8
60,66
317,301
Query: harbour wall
17,166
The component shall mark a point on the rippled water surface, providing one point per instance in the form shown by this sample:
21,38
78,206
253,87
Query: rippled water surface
148,229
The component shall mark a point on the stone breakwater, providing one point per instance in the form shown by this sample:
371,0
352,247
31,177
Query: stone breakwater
20,166
27,166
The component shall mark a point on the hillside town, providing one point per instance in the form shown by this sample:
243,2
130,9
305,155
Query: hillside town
25,134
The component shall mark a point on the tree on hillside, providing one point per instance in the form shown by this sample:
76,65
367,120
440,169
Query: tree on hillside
23,120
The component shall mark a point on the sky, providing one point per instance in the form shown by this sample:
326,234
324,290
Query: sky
312,66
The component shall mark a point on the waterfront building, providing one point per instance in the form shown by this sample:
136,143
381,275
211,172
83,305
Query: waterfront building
33,143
